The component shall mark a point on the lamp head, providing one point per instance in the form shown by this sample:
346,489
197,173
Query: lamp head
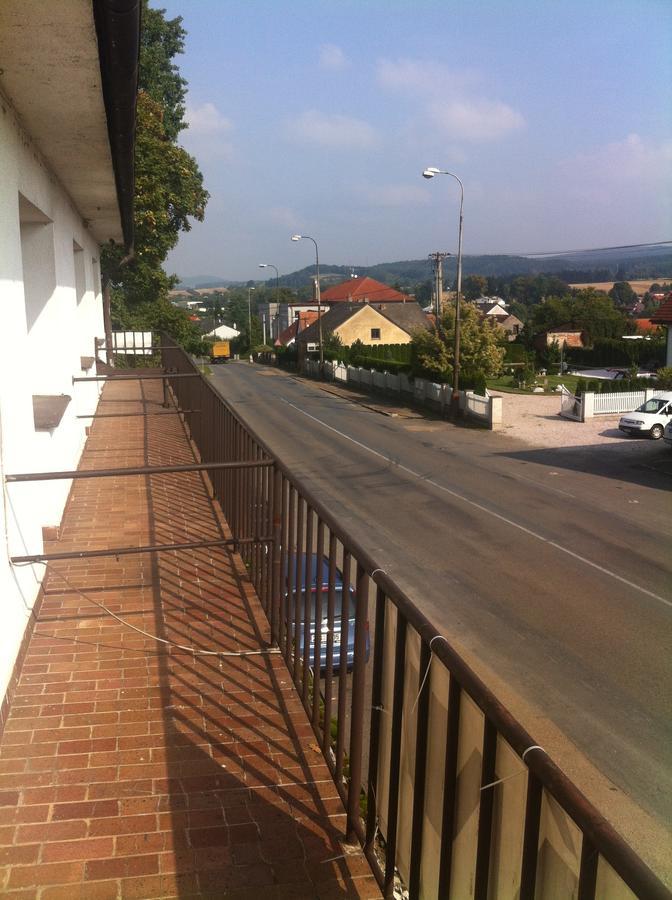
431,172
297,237
263,265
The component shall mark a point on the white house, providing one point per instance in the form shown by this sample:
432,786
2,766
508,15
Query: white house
223,333
68,82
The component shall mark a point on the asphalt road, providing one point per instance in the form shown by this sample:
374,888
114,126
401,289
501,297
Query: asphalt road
549,569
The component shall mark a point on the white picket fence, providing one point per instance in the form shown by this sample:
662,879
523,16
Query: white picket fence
487,410
612,404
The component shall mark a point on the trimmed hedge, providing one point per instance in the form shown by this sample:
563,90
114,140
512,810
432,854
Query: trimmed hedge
615,352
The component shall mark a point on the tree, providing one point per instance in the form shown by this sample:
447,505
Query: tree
160,42
622,293
474,287
480,346
586,310
169,188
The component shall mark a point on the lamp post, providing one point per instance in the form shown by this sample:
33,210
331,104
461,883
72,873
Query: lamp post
249,319
430,173
277,291
299,237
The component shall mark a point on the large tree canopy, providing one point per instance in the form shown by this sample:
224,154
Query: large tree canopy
481,349
587,309
169,188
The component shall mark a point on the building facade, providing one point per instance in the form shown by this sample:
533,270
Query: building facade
64,190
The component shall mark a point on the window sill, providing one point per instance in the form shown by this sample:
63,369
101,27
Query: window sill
48,410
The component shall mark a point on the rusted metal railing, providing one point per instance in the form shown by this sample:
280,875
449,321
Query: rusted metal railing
442,786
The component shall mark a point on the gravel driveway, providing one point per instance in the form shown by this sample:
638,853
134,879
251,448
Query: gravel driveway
535,419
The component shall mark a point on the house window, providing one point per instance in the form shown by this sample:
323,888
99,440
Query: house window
375,334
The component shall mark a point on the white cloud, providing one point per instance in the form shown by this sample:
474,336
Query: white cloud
332,57
634,159
393,195
448,100
420,77
207,120
474,120
331,130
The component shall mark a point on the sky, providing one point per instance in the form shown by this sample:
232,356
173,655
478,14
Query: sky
319,117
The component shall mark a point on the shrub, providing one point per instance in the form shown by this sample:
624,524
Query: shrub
580,386
664,381
475,382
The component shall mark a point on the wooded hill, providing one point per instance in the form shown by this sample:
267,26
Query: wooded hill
578,268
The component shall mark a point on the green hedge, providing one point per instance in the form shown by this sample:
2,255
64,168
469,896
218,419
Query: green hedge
614,352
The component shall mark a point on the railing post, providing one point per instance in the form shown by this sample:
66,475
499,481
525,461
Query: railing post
276,573
357,710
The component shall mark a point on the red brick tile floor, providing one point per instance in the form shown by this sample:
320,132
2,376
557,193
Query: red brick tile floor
132,769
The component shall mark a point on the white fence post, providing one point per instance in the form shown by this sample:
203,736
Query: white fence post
587,405
495,412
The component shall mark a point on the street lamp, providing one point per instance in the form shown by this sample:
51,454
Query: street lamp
299,237
249,318
430,173
277,290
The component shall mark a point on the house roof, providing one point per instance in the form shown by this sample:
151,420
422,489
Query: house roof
644,326
408,316
299,325
224,333
564,329
359,290
663,315
70,70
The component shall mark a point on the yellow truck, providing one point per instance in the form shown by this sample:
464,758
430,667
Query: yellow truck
220,351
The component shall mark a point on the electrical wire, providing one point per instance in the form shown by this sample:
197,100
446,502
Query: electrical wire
269,651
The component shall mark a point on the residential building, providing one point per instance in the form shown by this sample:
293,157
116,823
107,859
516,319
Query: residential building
562,334
67,98
288,337
385,323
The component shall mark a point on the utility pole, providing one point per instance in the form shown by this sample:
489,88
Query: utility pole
437,264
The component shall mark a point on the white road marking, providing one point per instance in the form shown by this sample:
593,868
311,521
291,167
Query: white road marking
485,509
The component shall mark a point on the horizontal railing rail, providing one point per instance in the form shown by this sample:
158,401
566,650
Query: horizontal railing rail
445,790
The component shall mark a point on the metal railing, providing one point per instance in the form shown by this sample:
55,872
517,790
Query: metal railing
444,789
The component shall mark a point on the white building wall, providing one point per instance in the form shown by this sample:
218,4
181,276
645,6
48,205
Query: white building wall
50,313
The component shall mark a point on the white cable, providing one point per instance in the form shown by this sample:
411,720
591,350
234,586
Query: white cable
195,650
437,637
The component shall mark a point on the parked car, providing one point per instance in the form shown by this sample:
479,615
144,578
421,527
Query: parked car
309,598
667,434
651,418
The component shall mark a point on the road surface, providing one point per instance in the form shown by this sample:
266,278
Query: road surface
549,569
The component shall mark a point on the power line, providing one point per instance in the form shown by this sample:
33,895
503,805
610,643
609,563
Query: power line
583,250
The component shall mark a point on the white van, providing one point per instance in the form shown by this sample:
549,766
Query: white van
650,418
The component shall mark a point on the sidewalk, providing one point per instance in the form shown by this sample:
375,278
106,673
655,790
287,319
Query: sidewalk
132,769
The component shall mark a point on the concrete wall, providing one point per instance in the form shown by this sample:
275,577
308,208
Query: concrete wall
50,312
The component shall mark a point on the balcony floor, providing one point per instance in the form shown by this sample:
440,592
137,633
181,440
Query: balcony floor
130,769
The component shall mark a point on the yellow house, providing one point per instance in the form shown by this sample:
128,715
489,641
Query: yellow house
380,323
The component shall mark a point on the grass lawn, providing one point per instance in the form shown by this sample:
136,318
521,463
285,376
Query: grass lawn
506,384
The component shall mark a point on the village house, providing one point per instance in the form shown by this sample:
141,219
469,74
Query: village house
566,335
392,323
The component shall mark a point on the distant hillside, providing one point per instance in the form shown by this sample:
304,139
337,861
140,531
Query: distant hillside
205,281
576,268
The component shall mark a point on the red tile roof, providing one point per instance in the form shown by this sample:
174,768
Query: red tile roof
361,290
303,320
663,315
645,326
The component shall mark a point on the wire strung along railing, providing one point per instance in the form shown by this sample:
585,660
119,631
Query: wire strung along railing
449,796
